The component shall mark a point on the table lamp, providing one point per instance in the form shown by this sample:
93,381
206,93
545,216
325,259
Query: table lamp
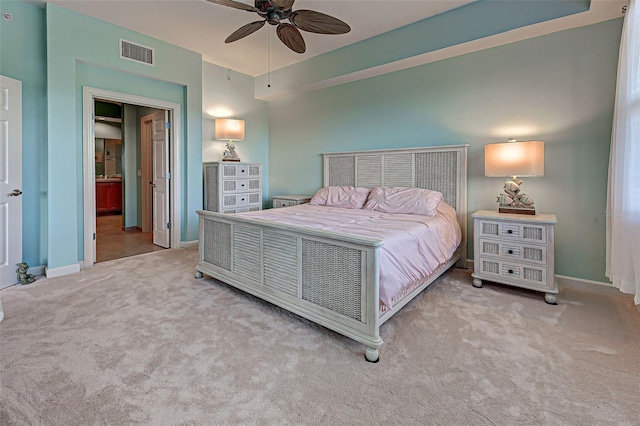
514,159
228,129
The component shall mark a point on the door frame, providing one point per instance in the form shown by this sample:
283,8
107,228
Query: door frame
89,96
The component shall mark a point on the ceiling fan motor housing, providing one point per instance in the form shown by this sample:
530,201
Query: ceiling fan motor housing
273,14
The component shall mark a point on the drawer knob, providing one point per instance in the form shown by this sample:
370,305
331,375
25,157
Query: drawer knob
511,271
510,231
510,252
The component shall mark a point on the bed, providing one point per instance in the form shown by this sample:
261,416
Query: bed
322,272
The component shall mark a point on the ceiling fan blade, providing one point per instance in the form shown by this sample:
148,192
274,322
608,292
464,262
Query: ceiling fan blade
244,31
284,4
291,37
316,22
235,5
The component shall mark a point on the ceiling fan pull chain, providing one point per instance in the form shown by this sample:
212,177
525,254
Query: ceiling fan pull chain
269,58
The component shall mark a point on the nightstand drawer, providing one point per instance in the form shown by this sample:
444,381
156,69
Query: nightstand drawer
513,230
511,250
519,273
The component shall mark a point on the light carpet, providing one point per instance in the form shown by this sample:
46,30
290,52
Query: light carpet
140,341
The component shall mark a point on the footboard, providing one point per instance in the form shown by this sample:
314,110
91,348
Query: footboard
326,277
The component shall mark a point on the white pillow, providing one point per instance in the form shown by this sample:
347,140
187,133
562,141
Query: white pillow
399,199
346,197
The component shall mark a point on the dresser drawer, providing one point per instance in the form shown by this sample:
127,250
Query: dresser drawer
240,170
513,271
513,230
240,200
511,250
240,185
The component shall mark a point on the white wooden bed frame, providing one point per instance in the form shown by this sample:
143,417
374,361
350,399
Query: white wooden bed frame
328,277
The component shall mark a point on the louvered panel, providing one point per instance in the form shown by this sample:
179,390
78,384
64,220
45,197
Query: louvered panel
533,274
489,228
217,237
532,233
491,267
511,271
513,251
281,262
254,198
229,185
228,171
342,171
398,170
438,171
211,183
534,253
369,171
254,184
254,171
229,200
510,230
332,277
254,209
246,252
490,248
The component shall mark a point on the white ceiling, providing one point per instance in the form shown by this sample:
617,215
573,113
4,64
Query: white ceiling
202,26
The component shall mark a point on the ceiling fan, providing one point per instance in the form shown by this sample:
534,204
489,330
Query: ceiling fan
275,11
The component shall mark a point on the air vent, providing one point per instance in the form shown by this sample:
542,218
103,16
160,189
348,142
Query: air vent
137,52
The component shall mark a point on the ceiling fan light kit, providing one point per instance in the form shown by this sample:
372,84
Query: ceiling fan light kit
275,11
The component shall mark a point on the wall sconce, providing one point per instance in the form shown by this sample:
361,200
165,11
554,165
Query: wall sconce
228,129
514,159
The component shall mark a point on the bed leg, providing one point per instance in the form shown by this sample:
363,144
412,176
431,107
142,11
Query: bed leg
199,275
372,354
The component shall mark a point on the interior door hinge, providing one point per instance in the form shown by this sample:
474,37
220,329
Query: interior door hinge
167,125
168,225
94,236
168,175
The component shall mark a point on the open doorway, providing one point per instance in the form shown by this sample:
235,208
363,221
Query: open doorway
117,186
123,179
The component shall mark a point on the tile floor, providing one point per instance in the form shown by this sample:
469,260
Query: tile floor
114,243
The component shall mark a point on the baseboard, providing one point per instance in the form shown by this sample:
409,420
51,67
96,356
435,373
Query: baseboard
36,270
189,244
590,286
581,284
63,270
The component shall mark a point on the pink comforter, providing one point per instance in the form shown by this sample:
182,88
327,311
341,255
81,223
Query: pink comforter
414,245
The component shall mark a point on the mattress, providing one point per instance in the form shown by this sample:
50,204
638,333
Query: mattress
414,245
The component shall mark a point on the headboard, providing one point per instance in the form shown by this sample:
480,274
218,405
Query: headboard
440,168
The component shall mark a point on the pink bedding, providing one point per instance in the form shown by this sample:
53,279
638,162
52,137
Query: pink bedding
414,245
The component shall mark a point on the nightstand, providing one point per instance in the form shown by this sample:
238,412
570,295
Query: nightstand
516,250
290,200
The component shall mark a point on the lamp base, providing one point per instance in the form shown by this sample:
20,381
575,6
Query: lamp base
231,159
516,210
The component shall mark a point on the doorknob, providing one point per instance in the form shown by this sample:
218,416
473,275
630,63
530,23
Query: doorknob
15,193
153,185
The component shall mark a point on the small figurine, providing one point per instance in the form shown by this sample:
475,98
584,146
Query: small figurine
24,277
230,153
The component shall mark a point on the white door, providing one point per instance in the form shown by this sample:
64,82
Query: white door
10,179
160,137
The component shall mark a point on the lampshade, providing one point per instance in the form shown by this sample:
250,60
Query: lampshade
514,159
228,129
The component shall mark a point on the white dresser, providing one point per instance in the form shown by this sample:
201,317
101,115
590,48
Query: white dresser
290,200
515,249
231,187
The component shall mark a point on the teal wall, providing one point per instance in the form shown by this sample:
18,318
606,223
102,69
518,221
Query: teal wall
227,93
558,88
473,21
22,56
92,59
